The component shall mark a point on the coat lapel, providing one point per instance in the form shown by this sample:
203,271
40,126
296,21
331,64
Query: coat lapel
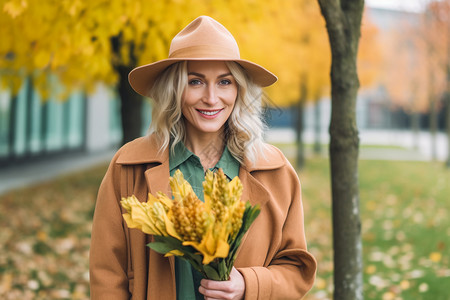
157,178
253,191
145,151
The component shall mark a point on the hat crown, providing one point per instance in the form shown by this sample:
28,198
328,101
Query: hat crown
204,38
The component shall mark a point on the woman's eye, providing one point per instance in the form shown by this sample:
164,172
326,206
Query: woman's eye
194,82
225,82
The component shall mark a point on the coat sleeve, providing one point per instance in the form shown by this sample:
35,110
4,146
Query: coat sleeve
292,269
108,251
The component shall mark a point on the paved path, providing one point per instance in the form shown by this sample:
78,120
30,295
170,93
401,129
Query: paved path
28,174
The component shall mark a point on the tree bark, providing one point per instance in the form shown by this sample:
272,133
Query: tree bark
317,127
44,134
131,107
433,128
12,128
447,94
343,21
29,116
447,164
300,161
130,101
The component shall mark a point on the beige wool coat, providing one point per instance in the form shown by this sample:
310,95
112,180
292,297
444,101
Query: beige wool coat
272,259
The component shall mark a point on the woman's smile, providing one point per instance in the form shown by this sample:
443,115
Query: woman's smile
208,113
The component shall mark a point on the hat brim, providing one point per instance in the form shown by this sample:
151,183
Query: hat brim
142,78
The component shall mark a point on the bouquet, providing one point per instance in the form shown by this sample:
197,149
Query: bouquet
206,234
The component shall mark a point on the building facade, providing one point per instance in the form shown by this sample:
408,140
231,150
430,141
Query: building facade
34,129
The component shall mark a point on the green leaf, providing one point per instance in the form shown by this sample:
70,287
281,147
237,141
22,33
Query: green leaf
224,269
167,239
195,260
250,214
159,247
164,244
211,273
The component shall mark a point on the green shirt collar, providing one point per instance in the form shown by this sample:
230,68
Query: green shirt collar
227,162
178,156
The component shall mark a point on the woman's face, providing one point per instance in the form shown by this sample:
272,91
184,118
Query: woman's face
209,97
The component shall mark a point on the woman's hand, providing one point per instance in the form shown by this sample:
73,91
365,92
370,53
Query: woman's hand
234,288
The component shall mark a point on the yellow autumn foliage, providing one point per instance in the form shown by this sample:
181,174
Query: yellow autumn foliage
82,42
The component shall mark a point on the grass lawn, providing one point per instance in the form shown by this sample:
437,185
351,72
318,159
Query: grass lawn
405,213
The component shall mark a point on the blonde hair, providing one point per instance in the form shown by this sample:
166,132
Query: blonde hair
244,129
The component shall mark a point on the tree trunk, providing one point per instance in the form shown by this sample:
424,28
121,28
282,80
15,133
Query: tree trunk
130,101
447,94
448,126
317,127
300,162
12,128
131,107
343,21
433,128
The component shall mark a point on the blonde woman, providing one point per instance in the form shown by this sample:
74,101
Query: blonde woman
206,115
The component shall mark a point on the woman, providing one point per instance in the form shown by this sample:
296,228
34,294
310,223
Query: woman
206,115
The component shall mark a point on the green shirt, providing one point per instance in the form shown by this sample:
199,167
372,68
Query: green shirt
187,278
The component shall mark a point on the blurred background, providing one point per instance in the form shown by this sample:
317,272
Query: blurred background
66,107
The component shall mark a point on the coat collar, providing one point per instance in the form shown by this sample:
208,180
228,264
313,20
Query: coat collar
271,159
145,150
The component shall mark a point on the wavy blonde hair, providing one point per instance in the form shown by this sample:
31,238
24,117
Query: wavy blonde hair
244,129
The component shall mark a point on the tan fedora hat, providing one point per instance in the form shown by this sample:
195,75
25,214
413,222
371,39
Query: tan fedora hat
203,39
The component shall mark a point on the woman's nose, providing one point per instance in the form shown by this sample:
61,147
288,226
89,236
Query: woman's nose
210,95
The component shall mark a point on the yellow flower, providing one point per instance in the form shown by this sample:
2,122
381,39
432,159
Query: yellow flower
150,217
180,187
174,252
212,245
165,201
190,218
137,215
223,198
